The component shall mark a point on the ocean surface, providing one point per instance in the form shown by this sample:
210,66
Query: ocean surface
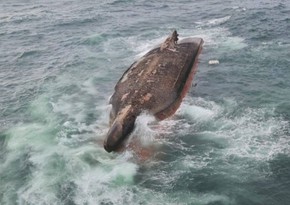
229,143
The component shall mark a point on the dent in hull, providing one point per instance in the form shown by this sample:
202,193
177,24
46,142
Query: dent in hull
156,83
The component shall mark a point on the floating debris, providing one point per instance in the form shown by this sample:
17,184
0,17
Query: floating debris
213,62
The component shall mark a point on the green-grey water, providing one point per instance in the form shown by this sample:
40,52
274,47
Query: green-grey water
229,142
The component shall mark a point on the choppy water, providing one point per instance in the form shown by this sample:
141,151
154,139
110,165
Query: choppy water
229,143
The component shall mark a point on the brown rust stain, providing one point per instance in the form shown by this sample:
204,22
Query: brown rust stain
124,96
124,112
147,96
152,65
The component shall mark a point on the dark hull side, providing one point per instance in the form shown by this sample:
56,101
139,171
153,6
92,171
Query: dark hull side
158,81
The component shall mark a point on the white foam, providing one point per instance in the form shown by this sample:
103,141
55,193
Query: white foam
218,21
56,163
197,113
215,21
143,130
142,47
253,136
68,105
215,35
238,8
196,161
108,182
212,32
199,109
89,87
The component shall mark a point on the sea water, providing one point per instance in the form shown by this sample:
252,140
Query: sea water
229,143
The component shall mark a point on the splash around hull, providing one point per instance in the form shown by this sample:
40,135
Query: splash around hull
156,83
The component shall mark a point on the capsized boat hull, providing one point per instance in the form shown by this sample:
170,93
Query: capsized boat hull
156,83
